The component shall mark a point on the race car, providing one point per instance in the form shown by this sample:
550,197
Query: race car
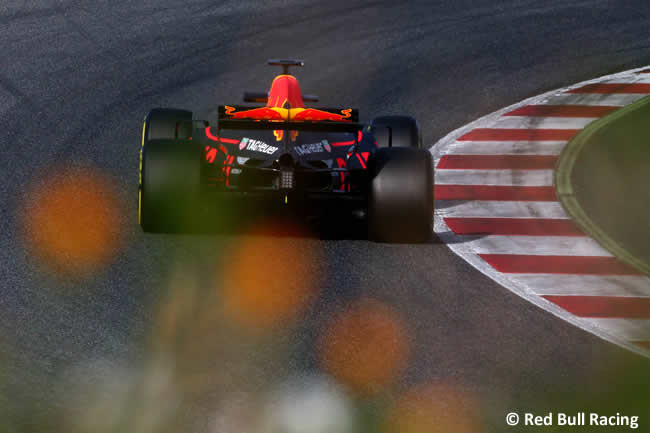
312,160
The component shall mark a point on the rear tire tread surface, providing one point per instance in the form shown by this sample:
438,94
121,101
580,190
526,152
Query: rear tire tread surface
168,123
170,172
400,202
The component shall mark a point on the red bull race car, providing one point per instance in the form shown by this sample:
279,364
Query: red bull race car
284,154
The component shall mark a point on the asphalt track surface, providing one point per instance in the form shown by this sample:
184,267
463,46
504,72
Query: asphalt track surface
77,78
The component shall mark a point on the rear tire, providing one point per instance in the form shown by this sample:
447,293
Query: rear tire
396,131
167,123
170,186
400,201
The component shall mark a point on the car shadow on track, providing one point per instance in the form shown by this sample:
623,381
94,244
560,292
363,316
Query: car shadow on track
282,225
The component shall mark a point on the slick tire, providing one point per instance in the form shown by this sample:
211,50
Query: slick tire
396,131
167,123
400,196
170,186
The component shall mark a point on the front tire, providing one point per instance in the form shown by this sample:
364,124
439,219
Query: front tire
400,196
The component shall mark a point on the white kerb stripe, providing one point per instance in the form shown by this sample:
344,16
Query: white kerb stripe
533,245
533,122
625,329
612,100
494,177
500,209
505,147
586,285
630,79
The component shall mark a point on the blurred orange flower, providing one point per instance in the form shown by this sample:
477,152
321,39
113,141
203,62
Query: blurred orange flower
366,346
73,220
269,280
434,408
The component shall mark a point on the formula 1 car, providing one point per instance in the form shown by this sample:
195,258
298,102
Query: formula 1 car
287,154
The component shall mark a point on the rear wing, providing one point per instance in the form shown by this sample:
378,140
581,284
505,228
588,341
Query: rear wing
229,111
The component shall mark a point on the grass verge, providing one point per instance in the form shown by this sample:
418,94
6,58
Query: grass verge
602,179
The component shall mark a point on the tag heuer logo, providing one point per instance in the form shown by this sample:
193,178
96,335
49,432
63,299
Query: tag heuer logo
307,149
256,146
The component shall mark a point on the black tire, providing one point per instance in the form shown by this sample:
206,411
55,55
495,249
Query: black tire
396,131
167,123
400,196
170,186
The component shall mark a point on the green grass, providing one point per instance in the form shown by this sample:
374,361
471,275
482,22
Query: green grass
603,181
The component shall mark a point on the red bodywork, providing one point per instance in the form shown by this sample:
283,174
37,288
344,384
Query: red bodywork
285,103
285,90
